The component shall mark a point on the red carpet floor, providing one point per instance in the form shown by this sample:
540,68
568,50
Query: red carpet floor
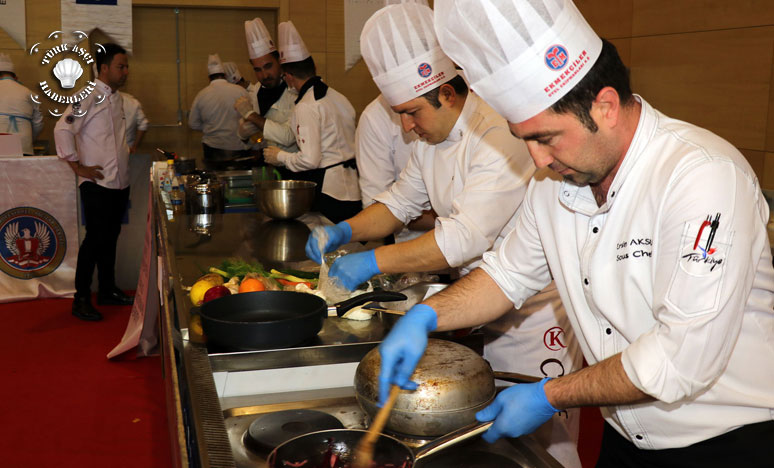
64,404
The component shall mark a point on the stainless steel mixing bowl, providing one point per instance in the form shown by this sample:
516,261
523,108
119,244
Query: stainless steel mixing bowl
284,199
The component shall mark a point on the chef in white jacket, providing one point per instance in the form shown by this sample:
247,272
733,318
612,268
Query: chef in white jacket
654,232
383,150
474,174
323,121
212,113
269,104
18,113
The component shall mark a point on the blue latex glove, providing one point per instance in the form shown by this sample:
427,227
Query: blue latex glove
403,347
338,235
517,410
353,269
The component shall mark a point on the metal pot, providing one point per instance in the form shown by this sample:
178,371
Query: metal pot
454,384
185,166
284,199
204,194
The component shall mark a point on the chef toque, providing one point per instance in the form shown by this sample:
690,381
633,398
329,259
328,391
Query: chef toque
521,56
214,65
6,64
291,46
402,53
259,41
232,72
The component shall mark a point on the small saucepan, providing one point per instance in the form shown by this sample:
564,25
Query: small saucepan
335,448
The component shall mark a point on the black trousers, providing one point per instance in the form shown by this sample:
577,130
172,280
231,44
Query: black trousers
749,446
103,209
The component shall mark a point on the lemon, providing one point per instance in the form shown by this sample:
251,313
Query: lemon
198,290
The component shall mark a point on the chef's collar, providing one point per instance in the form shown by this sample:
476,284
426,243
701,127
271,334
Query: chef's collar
581,199
461,125
101,86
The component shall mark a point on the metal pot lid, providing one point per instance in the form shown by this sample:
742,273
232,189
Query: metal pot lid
451,377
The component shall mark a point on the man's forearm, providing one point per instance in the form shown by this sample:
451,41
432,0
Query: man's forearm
374,222
603,384
257,120
474,299
417,255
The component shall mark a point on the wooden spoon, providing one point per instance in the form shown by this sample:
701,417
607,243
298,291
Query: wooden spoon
364,452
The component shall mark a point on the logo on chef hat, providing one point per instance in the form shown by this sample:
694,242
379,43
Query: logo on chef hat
32,243
556,57
424,69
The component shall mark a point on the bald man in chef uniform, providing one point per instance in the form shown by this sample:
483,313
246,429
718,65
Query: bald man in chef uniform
474,174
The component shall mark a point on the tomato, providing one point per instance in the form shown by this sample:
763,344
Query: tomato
250,285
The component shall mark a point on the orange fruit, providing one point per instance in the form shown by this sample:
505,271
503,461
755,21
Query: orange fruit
250,285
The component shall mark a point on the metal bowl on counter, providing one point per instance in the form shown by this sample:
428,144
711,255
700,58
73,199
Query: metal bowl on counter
284,199
454,384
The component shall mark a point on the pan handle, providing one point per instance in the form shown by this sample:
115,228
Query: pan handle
373,296
452,438
516,378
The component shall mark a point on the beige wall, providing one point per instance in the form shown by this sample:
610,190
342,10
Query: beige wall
709,62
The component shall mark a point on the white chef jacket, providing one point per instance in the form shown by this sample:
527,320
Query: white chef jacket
695,330
475,181
382,150
276,130
98,138
213,113
325,134
18,113
135,117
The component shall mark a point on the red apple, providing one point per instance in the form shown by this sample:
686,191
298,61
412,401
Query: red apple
216,292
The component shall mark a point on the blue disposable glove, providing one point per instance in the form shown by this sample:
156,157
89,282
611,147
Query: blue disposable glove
517,410
353,269
403,347
338,235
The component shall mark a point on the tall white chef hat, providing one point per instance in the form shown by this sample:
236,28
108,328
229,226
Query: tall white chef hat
6,64
400,48
521,56
259,41
291,46
232,72
214,65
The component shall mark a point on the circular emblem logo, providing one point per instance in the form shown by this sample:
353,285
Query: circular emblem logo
32,243
424,69
556,57
66,60
552,339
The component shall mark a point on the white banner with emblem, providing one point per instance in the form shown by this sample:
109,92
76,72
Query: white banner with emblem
38,228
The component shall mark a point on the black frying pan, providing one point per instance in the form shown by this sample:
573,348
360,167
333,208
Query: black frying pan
273,319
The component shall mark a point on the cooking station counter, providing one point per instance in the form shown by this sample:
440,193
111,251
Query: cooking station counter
214,392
